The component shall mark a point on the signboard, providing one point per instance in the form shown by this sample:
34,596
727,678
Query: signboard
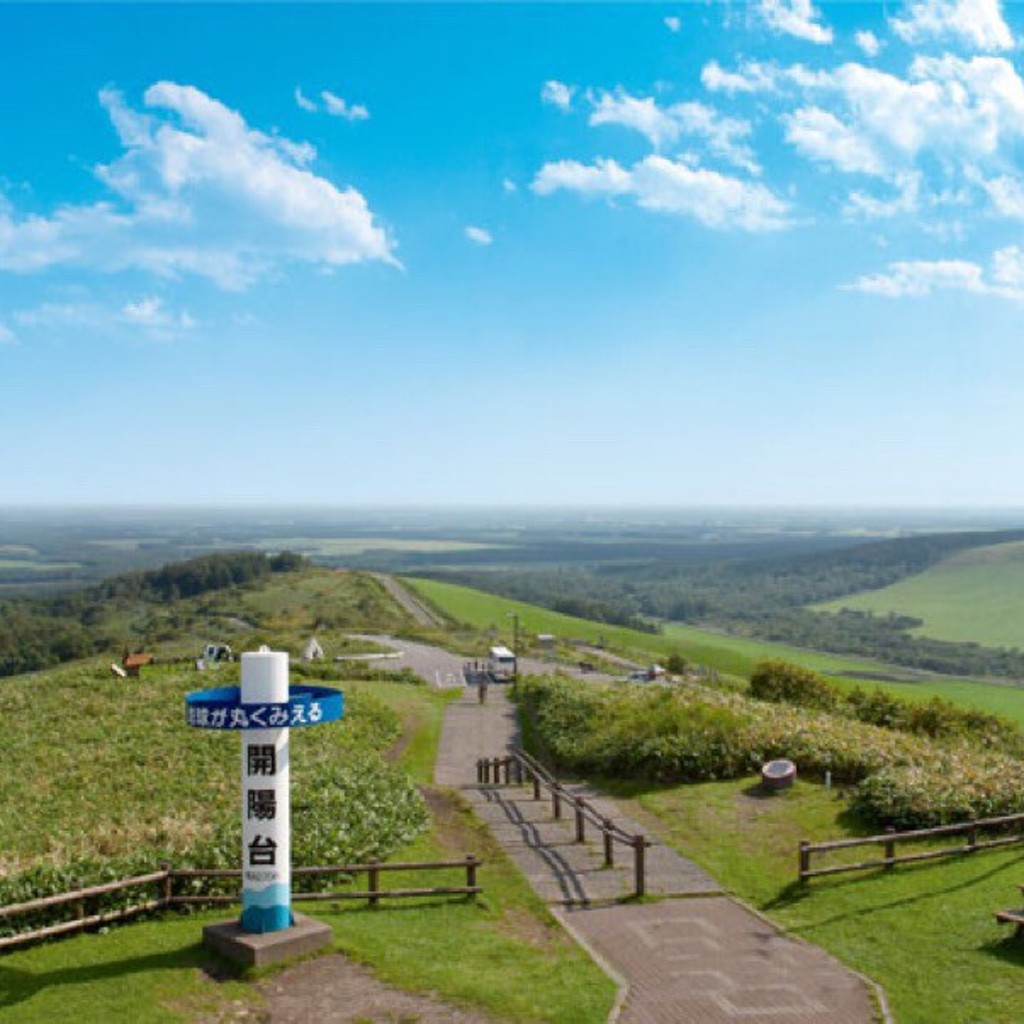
265,708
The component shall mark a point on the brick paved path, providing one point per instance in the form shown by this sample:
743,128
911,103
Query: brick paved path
701,960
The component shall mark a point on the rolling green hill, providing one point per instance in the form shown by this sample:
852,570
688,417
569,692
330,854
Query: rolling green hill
734,656
975,596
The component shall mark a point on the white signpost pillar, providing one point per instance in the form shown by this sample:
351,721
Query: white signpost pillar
264,709
266,806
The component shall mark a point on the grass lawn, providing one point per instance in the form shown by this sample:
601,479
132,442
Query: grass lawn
926,932
976,596
149,971
733,656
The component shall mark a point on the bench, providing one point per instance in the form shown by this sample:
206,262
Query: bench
1015,917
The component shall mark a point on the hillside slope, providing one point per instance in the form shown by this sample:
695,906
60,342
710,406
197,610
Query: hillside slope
975,596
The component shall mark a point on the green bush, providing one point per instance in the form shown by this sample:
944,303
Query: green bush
949,787
784,683
694,734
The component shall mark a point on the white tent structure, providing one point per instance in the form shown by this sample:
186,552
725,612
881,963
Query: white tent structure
312,651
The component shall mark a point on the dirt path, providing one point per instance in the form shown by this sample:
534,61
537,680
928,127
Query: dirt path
333,989
412,604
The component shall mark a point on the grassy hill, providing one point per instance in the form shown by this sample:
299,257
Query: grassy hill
103,778
975,596
732,656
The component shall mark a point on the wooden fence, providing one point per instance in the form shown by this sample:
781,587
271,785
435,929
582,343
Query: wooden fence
518,768
888,840
162,895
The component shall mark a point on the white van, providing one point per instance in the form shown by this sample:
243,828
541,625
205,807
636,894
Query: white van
501,664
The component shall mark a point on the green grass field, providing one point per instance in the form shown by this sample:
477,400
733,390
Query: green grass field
976,596
926,932
734,656
503,952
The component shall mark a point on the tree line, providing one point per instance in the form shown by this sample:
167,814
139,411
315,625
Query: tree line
39,632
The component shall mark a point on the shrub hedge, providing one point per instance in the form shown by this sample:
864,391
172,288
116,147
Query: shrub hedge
693,733
781,682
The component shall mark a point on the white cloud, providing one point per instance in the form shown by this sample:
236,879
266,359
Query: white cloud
52,315
557,94
1007,195
7,336
150,312
479,235
641,114
197,191
304,103
796,18
147,316
917,278
337,107
509,185
905,201
673,24
752,77
820,135
604,177
667,186
1008,268
978,24
959,113
920,278
868,42
664,126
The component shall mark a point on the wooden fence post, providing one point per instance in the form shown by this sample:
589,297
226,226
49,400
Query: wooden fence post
374,885
519,772
507,762
805,859
496,770
536,784
580,821
972,838
471,866
168,884
609,844
556,802
639,866
890,849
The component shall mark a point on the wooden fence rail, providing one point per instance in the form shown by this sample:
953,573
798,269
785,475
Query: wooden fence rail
519,767
165,896
889,839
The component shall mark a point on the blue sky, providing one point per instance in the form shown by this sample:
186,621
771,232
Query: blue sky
763,253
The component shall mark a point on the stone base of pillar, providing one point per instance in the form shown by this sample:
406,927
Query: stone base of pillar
257,950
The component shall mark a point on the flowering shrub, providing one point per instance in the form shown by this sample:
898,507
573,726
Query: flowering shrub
949,787
783,683
693,734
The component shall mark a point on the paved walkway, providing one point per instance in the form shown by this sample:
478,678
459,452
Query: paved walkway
699,960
